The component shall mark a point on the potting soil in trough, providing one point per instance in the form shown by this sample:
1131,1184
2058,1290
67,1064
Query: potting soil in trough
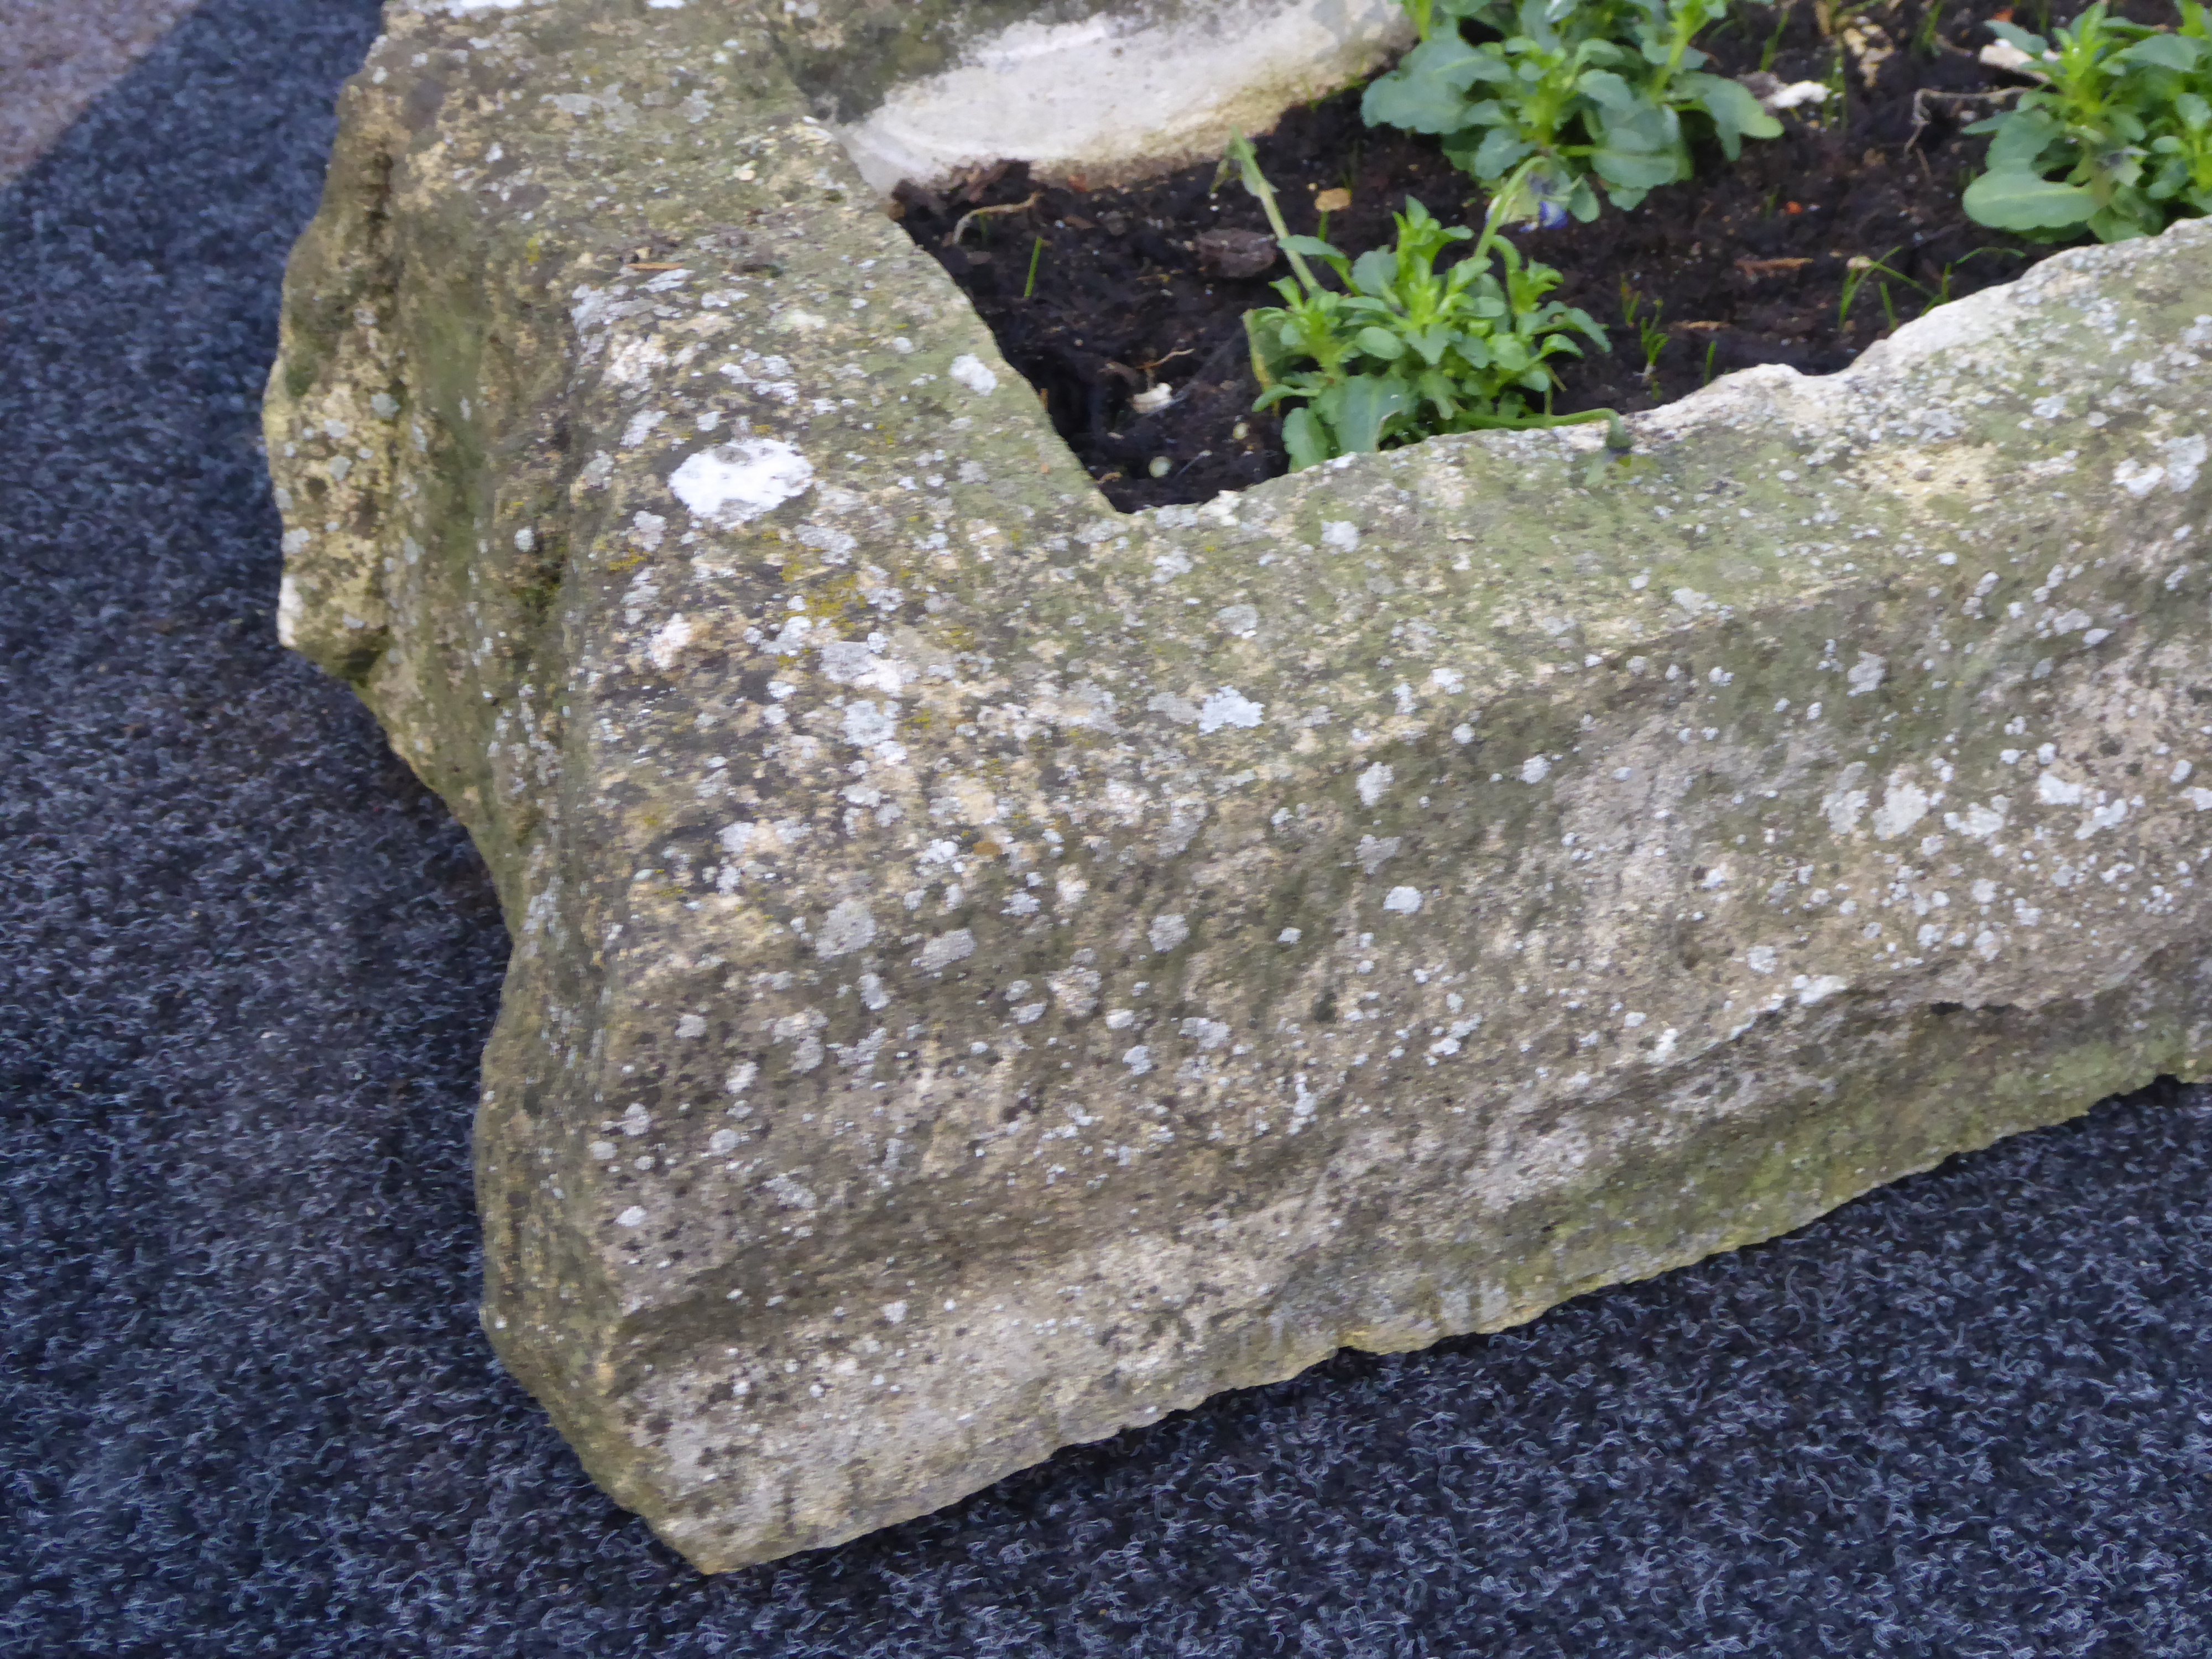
1101,296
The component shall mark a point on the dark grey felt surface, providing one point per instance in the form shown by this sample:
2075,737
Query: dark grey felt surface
246,964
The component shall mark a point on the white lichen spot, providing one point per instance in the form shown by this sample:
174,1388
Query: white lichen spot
2137,479
1811,988
866,725
969,370
1139,1059
1866,673
1844,804
1229,707
1167,932
2185,460
1241,620
1404,901
849,927
734,484
690,1025
2103,817
944,949
1208,1034
1978,822
894,1313
1341,534
1448,680
741,1077
1535,769
1373,782
1903,805
1373,850
1760,958
666,646
632,1216
2054,791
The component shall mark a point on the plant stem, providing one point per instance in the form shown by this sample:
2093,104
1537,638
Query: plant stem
1241,152
1035,254
1500,204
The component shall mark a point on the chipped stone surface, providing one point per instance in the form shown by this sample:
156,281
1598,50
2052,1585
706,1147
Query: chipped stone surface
988,971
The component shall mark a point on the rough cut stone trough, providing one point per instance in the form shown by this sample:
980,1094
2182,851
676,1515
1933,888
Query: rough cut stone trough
987,971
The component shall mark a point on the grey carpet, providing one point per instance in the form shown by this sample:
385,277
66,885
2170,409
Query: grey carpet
245,965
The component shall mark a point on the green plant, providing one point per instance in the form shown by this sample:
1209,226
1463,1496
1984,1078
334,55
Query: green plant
2125,118
1582,89
1036,253
1857,273
1403,351
1925,38
1651,332
1774,39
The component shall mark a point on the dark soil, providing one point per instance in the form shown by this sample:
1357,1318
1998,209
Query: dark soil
1746,264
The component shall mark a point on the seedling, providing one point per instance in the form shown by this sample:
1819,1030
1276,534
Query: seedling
1402,351
2124,121
1924,38
1579,94
1862,270
1774,40
1035,254
1651,332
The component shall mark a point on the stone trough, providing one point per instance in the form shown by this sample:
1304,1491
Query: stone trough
987,971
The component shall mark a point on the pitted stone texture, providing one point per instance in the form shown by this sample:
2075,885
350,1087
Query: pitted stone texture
987,971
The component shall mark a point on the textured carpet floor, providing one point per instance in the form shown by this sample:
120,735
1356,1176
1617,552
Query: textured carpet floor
246,964
57,55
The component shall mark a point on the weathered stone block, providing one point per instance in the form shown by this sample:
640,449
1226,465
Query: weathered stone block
987,971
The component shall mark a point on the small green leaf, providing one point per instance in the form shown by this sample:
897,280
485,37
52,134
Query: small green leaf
1309,244
1306,439
2021,201
1499,152
1732,106
1380,343
1358,409
1426,92
1608,90
2022,139
1263,334
1433,342
2171,51
1375,271
1633,170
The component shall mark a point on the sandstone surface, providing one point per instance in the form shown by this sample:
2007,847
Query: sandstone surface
988,971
